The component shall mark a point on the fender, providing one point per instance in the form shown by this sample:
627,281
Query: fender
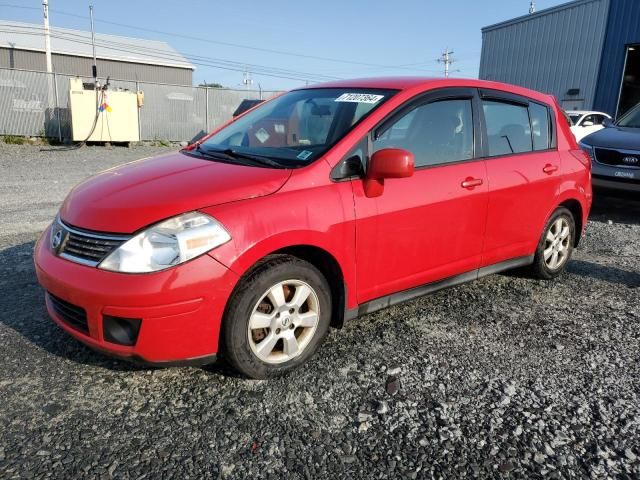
322,241
564,196
292,217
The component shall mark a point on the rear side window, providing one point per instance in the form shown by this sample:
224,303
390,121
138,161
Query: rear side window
508,128
540,129
436,133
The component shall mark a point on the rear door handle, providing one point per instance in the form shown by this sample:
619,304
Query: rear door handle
548,168
471,182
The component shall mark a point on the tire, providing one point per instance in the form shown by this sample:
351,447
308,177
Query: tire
278,299
554,244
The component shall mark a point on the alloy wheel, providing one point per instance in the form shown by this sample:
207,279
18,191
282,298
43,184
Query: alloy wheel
557,243
284,321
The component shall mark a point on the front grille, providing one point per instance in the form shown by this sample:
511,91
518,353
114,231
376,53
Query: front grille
86,247
617,158
72,315
89,248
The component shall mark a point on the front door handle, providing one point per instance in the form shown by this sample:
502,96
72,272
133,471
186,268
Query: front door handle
549,169
471,182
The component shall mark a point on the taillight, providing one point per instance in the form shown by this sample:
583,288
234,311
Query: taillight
583,156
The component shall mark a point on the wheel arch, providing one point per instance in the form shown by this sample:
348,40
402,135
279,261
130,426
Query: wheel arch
330,268
319,257
575,208
570,201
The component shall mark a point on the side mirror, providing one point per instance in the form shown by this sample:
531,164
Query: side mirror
607,122
587,123
387,163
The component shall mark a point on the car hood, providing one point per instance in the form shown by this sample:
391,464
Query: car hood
127,198
615,137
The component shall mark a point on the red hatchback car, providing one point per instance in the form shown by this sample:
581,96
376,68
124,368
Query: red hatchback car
317,206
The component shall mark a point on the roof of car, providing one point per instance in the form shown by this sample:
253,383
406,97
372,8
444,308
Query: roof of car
584,112
409,83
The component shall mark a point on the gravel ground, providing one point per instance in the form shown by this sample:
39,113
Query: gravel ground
503,377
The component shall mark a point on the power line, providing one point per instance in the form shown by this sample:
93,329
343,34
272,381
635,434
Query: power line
173,57
157,53
305,76
212,65
229,44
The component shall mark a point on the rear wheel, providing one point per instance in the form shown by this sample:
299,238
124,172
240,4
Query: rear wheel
277,318
556,245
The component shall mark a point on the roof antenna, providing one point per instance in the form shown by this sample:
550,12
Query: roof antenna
532,7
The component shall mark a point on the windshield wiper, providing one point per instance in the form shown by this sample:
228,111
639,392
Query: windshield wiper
233,155
261,159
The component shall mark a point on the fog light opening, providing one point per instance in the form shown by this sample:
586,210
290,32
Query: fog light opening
122,331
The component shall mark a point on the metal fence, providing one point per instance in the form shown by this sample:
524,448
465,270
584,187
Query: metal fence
37,104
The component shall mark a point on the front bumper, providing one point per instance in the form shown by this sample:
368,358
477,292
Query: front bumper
606,176
180,308
613,183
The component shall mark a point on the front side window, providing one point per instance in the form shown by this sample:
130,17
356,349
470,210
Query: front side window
436,133
296,128
508,128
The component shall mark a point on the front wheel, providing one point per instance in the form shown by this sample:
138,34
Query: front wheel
277,318
556,245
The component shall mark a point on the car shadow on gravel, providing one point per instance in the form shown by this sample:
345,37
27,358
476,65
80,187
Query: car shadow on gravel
604,273
619,207
23,311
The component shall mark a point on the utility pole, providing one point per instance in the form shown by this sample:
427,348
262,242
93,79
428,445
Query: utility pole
447,60
47,36
532,7
246,79
51,102
94,69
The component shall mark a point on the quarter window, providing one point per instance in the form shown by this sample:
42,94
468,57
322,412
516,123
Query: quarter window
508,128
436,133
540,126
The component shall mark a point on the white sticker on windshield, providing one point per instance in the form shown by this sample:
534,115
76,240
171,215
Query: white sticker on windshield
359,98
262,135
303,155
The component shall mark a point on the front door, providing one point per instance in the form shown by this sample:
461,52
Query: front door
430,226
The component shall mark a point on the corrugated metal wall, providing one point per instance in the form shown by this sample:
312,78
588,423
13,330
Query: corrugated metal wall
70,65
37,104
553,51
28,103
623,28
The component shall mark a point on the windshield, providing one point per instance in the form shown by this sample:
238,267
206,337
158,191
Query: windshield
298,127
631,119
574,117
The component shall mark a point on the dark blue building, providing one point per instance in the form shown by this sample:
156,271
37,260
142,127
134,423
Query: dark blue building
585,52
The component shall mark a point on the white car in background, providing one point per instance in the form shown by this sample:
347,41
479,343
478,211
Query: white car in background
584,122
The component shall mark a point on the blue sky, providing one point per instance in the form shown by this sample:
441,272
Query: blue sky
369,38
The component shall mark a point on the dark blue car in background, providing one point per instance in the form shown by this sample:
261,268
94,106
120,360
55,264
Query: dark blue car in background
615,152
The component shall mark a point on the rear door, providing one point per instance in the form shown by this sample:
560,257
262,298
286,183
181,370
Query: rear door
429,226
523,170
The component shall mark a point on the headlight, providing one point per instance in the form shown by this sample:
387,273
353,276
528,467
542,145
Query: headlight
166,244
587,148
